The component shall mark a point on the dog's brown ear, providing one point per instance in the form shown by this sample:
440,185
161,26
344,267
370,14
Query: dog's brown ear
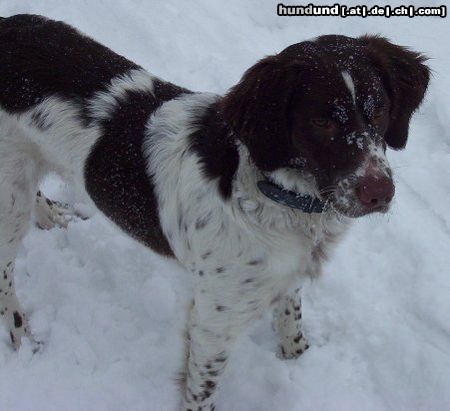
406,79
257,110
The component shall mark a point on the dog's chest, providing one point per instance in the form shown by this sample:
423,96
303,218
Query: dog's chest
242,247
225,250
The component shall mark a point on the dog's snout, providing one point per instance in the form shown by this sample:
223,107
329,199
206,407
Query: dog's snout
375,192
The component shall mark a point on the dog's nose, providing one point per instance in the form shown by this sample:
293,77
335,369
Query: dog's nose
375,191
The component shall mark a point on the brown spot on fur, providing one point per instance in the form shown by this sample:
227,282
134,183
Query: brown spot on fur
210,384
254,262
202,222
275,300
206,255
318,252
298,338
17,319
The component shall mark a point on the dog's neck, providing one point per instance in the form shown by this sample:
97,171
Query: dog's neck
226,160
262,211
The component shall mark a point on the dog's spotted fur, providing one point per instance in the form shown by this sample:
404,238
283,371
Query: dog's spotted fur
178,170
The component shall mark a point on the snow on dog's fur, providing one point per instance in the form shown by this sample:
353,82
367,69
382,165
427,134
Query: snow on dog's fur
178,170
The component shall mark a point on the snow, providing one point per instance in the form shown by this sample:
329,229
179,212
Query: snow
112,313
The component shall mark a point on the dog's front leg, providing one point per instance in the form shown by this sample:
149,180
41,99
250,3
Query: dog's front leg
212,332
288,324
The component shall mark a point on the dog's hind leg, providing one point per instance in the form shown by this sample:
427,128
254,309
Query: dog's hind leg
49,214
18,180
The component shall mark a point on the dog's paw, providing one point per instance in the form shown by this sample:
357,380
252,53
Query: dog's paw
292,347
193,407
27,341
50,213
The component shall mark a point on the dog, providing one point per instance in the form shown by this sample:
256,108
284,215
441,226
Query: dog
249,190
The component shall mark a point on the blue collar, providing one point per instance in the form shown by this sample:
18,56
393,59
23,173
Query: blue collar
304,202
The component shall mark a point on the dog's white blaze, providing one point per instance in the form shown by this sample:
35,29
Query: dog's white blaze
350,85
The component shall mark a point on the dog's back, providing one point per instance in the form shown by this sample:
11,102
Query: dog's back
71,105
49,73
41,58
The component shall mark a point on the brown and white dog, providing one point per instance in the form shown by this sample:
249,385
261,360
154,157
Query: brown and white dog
247,190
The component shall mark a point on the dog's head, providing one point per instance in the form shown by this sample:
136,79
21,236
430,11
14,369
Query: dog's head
317,117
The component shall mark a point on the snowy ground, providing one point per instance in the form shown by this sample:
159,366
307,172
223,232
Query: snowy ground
112,313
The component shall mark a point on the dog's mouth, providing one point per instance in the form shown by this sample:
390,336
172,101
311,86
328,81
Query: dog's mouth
288,198
360,195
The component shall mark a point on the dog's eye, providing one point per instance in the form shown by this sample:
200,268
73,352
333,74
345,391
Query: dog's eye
321,122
